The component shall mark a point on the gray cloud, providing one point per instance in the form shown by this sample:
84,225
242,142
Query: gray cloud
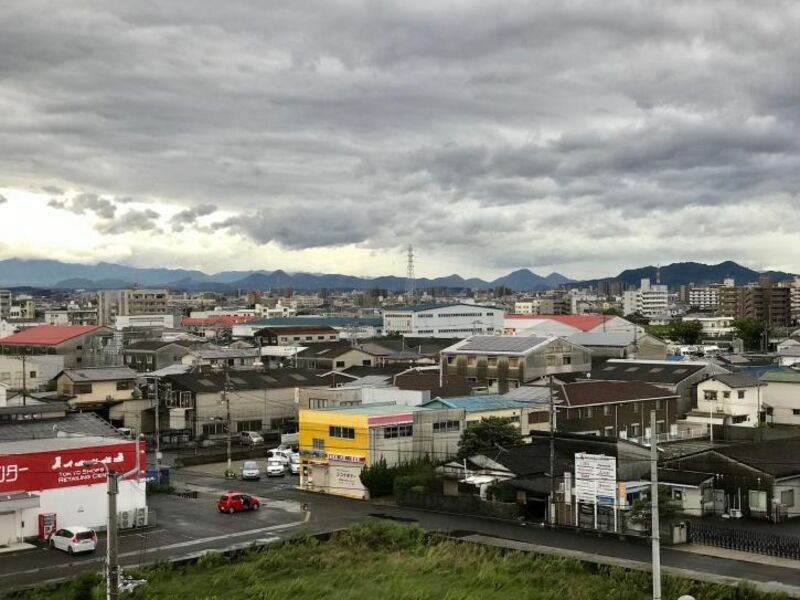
131,221
3,199
52,189
83,203
188,217
444,125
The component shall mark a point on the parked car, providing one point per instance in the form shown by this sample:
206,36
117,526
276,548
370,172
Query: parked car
250,470
250,438
294,464
276,468
74,539
232,502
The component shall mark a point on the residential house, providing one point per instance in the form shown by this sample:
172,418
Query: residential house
500,363
731,399
613,409
782,396
679,377
623,344
76,343
152,355
221,357
789,356
97,388
337,443
443,320
334,356
762,479
34,373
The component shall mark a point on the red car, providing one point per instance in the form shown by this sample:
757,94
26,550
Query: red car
232,502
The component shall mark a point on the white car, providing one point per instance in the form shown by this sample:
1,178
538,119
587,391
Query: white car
279,455
250,470
74,539
276,468
294,465
250,438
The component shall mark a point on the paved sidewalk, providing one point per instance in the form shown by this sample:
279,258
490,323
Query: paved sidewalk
760,559
771,586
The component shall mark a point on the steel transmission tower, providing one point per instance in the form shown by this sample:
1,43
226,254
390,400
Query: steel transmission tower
411,282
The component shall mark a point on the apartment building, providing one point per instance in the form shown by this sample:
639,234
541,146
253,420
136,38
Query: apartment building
111,303
5,304
733,399
650,300
764,301
704,298
73,342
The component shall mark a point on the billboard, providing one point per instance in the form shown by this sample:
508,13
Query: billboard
595,478
36,471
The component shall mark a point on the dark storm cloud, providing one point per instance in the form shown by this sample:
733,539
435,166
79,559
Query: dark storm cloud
439,123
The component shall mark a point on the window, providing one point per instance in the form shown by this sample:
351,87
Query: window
787,498
213,428
608,431
345,433
587,412
340,364
757,500
709,395
566,360
551,360
726,394
606,410
451,360
739,419
635,407
796,411
513,362
492,361
82,388
661,427
398,431
659,404
634,430
740,394
318,444
447,426
250,425
471,361
32,374
677,495
124,385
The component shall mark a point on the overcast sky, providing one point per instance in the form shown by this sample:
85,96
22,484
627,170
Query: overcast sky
579,137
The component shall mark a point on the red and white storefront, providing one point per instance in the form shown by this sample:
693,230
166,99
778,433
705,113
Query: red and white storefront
49,477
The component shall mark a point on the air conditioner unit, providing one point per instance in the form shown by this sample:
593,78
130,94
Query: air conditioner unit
125,520
141,517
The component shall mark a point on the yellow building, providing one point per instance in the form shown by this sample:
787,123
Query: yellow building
337,443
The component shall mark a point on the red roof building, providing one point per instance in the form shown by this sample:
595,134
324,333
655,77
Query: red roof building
70,341
216,321
47,335
565,325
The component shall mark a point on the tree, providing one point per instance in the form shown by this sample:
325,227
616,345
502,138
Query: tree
484,437
641,508
686,332
614,312
378,479
750,331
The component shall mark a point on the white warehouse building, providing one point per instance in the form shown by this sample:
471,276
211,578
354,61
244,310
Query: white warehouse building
444,320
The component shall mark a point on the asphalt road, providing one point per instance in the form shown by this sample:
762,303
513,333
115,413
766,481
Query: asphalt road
187,526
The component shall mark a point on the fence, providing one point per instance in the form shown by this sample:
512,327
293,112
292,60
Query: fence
756,542
463,504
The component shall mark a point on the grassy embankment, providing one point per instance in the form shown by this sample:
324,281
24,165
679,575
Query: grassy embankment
387,561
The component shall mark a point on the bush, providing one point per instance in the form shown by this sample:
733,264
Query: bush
382,480
378,479
153,487
502,492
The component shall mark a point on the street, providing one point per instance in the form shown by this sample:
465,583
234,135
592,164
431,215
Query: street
187,526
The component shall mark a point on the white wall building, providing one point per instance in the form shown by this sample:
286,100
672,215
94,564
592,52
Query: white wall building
734,399
649,300
782,396
443,320
5,304
145,321
704,298
714,326
38,371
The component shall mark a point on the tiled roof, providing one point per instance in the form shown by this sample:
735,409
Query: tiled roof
608,392
47,335
320,321
298,330
202,383
328,349
738,380
780,458
149,345
434,305
100,374
652,372
582,322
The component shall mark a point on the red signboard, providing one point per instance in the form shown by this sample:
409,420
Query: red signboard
64,468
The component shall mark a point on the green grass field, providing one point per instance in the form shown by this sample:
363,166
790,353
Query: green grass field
388,561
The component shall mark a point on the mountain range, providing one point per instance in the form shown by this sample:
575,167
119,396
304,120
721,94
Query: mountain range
70,276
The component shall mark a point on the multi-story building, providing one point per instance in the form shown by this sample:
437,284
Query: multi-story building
348,327
649,300
96,386
704,298
337,443
152,355
111,303
764,301
302,335
794,295
74,342
5,304
734,399
500,363
72,315
443,320
33,373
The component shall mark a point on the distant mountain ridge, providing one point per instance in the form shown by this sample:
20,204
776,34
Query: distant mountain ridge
56,274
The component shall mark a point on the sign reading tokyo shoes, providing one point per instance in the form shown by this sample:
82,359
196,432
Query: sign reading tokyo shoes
64,468
595,478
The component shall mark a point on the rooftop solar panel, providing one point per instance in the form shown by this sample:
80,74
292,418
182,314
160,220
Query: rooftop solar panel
501,343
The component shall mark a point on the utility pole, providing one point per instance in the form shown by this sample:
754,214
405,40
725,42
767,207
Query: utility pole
158,429
552,511
655,535
112,562
227,402
24,381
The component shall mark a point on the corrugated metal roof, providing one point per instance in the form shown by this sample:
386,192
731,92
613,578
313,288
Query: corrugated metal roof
476,403
308,320
434,305
600,338
47,335
787,376
498,343
100,374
